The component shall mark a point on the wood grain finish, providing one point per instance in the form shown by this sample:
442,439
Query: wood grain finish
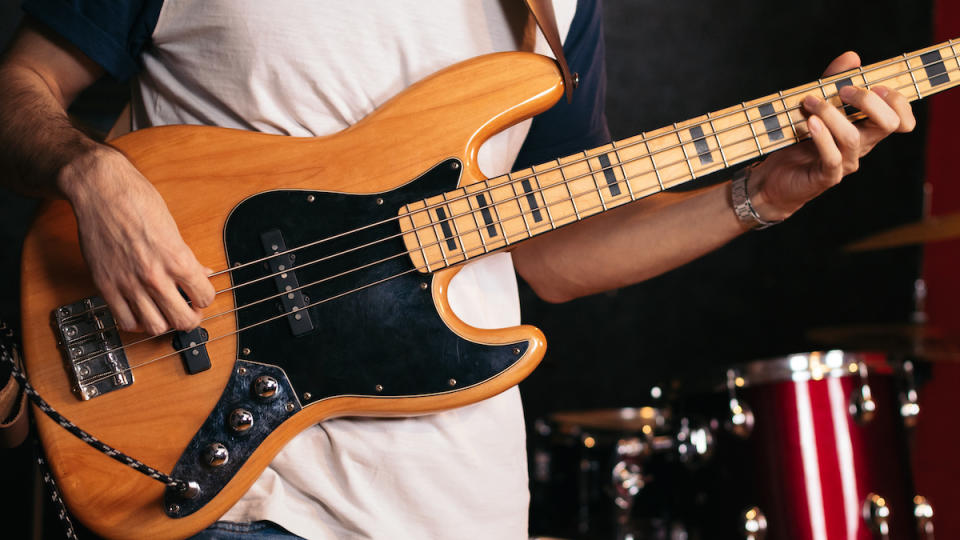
202,173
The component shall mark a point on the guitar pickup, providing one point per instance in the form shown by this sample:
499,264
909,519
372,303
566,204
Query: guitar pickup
291,298
193,349
90,343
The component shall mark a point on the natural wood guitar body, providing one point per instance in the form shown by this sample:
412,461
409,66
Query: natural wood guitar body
203,173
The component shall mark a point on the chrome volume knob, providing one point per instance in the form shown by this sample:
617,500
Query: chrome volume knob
216,455
266,387
240,420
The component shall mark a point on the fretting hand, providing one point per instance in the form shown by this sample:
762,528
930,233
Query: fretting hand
791,177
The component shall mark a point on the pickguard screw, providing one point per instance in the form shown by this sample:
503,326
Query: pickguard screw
379,201
307,395
455,165
452,382
311,198
242,371
423,286
379,388
516,350
289,407
246,351
236,264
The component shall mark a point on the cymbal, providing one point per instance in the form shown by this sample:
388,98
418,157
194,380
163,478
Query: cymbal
933,229
925,342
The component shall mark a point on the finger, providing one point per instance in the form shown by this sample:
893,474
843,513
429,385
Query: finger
877,110
898,102
831,159
173,306
147,314
122,314
195,283
845,134
845,62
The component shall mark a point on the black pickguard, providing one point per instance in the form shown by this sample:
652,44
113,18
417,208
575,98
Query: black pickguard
384,339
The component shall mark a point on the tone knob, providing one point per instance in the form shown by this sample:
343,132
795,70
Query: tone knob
240,420
216,455
266,387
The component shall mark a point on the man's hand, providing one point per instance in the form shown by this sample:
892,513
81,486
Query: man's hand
132,245
793,176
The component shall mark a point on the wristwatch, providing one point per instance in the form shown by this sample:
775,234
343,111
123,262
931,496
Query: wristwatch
742,206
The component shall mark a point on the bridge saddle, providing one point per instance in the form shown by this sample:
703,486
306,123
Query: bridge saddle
91,346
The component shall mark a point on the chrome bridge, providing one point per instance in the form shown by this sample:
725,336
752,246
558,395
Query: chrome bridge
91,346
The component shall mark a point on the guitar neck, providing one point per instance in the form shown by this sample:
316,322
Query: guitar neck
479,218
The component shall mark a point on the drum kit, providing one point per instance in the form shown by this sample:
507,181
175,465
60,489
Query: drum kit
805,446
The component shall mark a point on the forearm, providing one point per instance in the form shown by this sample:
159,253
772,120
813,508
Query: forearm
628,245
38,143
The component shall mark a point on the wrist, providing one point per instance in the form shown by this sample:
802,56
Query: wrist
78,175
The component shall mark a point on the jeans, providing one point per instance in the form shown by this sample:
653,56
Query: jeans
256,530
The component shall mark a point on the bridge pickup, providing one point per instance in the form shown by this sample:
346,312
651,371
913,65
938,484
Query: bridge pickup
292,299
193,349
91,346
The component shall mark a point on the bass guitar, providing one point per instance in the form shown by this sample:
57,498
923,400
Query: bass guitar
335,265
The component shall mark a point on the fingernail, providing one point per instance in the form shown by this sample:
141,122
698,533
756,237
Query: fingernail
881,91
811,102
813,124
209,271
848,92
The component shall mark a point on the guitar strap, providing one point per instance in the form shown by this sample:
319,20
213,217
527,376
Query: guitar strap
542,12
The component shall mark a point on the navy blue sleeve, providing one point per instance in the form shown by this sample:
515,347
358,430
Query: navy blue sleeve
568,128
111,32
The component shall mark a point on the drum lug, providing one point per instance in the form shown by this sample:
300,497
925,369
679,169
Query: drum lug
862,406
924,514
909,403
741,420
877,515
694,444
754,524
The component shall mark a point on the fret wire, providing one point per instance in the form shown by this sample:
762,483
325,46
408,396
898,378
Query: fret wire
862,76
546,205
686,157
623,171
914,79
477,222
653,161
823,91
494,204
456,228
519,199
416,235
593,176
954,51
566,184
746,113
717,139
796,135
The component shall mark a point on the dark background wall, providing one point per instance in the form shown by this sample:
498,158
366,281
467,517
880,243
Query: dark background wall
759,296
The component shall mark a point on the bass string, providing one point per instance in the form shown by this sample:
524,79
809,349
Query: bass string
540,189
480,250
821,84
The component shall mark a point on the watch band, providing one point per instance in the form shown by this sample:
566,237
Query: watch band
742,206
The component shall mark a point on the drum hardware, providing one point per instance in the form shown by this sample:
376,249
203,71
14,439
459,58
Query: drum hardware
923,512
694,445
740,422
931,229
909,405
876,513
754,524
862,406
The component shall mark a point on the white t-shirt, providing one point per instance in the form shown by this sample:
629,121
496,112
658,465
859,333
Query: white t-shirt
309,68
